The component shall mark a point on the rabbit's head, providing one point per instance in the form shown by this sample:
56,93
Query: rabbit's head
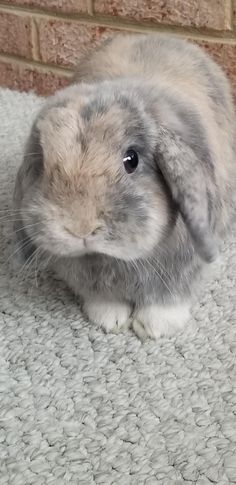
102,175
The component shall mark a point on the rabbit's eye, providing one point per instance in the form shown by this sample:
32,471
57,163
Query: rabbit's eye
130,161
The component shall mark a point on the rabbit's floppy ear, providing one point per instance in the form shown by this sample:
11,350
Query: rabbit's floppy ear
186,178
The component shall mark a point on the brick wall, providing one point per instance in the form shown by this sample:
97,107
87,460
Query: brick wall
42,40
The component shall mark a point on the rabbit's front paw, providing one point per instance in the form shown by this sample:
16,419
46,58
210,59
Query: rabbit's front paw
155,321
111,316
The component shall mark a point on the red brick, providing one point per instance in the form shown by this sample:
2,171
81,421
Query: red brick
72,6
198,13
25,78
15,35
63,42
234,12
225,55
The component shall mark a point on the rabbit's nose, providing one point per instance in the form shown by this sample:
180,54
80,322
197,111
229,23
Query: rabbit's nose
83,235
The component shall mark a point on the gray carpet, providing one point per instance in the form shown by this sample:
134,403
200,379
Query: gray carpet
80,407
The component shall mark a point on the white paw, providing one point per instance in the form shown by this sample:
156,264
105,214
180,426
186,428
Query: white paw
111,316
155,321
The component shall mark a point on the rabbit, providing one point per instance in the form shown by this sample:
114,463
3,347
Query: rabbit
128,180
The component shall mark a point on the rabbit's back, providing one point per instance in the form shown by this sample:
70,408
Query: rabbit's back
182,66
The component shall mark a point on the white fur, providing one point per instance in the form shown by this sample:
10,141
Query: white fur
111,316
155,321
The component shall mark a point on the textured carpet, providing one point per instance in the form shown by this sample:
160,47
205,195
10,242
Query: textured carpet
81,407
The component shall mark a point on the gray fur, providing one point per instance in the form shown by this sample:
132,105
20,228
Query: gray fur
134,94
187,181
